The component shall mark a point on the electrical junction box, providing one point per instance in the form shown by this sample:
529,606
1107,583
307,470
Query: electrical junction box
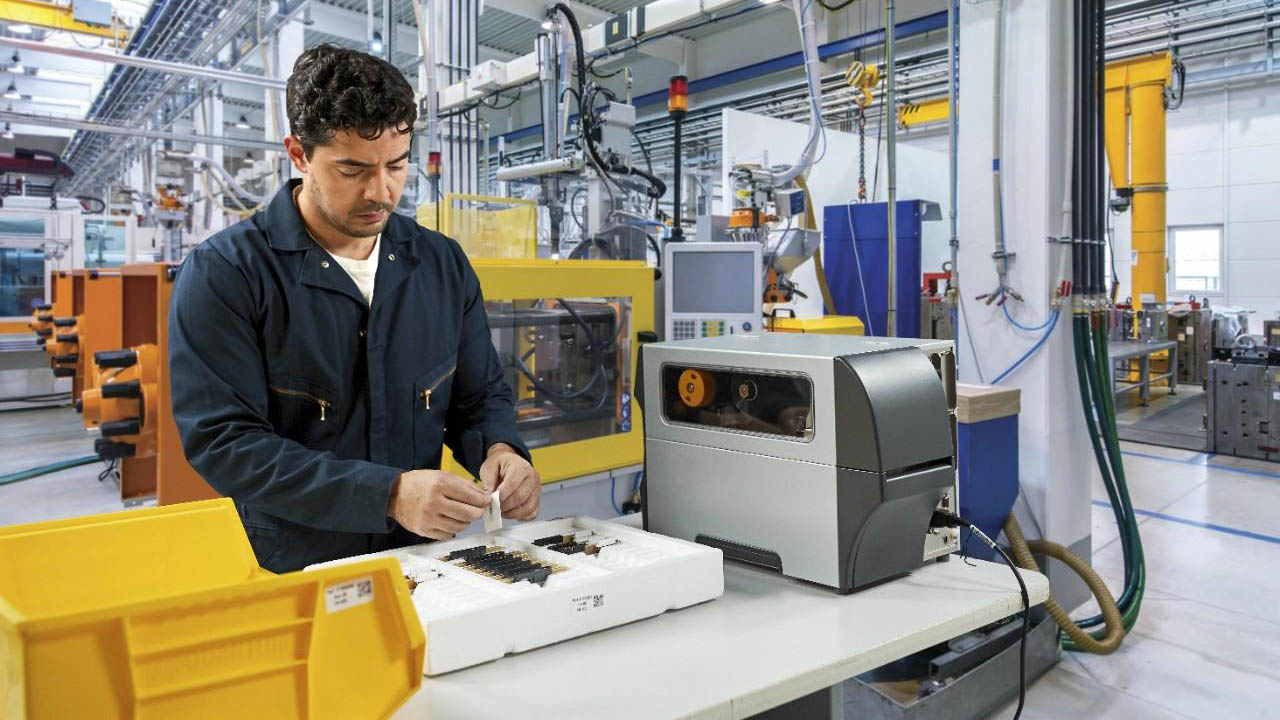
91,12
488,76
615,130
789,202
624,26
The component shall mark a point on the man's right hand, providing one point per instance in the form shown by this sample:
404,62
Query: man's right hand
435,504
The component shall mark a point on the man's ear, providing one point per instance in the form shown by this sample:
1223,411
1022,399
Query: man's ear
293,147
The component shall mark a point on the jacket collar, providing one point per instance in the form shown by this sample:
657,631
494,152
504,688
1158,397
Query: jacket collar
286,231
284,222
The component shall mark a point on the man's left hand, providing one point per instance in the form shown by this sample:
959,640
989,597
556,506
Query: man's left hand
519,486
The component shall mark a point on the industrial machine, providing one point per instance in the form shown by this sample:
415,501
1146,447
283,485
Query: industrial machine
127,408
484,596
1229,323
1191,327
1243,402
567,334
819,456
937,307
711,288
856,261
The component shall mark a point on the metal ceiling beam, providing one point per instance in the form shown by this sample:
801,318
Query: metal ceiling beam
164,66
91,126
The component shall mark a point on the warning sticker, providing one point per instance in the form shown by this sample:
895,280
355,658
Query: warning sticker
348,595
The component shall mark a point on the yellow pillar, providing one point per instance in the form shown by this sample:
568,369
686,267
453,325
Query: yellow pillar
1135,142
1149,189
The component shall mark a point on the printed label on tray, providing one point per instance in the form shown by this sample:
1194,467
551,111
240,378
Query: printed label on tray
348,595
585,603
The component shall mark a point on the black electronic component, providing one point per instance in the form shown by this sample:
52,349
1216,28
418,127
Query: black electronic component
470,552
64,322
549,540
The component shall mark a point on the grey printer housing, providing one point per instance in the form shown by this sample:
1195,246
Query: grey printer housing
838,493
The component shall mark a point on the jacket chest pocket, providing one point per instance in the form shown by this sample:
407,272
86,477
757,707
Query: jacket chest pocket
431,395
303,411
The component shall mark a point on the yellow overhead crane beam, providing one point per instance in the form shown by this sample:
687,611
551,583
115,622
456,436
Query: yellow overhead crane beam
1135,141
60,17
925,111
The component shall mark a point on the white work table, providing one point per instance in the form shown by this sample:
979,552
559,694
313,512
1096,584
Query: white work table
769,640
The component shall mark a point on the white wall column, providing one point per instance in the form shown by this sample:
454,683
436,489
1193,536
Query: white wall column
1055,461
286,46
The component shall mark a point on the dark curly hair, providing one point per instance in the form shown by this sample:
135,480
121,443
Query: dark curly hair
334,88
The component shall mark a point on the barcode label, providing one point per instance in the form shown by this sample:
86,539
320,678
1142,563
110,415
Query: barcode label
348,595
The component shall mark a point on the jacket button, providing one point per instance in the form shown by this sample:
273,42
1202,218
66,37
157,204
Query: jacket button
362,333
324,263
392,257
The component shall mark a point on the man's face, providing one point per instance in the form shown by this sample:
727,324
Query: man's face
353,182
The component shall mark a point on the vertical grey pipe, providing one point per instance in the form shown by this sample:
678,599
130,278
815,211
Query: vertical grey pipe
388,30
952,147
891,108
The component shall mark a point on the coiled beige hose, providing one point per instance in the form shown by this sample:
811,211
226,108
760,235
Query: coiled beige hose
1022,553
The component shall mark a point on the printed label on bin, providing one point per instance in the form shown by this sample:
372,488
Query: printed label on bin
584,603
348,595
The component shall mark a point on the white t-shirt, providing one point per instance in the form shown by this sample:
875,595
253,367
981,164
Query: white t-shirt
363,272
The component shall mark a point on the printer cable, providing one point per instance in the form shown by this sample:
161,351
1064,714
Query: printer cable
945,519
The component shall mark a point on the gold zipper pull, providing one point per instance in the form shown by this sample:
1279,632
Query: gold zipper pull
426,399
324,405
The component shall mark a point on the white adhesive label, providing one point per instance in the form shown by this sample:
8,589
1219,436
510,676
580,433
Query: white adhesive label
348,595
1182,337
1191,330
493,514
586,603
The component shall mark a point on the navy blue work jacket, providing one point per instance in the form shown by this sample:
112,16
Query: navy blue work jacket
304,404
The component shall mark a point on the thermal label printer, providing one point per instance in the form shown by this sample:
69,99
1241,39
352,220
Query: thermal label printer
820,456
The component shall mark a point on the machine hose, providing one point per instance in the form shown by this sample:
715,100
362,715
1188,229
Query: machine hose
1022,553
46,469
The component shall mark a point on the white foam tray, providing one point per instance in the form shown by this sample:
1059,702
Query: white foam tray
470,618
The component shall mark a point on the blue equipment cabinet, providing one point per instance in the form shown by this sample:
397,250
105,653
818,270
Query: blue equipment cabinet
858,261
987,449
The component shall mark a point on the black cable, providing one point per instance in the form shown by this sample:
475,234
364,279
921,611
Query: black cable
945,519
657,250
579,222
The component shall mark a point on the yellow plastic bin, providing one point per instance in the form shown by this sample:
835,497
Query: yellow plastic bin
164,613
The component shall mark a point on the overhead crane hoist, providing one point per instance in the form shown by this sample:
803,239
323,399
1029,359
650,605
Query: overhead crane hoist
1138,92
864,79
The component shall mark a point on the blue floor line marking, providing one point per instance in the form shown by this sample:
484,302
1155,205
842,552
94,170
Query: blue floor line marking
1196,523
1202,460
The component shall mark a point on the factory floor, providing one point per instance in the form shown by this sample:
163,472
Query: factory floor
1207,644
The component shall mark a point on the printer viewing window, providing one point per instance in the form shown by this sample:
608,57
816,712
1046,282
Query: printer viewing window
751,402
713,283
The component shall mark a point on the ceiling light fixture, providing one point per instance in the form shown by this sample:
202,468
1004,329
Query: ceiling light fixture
243,123
8,132
16,66
375,45
12,93
20,29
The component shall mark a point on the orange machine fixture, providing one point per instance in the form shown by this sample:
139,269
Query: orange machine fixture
131,408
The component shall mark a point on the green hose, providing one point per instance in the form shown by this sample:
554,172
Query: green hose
1092,372
47,469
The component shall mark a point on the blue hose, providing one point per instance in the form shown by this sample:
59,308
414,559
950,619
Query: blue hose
1018,325
1053,322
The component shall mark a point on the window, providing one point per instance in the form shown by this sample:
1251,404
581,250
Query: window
1197,258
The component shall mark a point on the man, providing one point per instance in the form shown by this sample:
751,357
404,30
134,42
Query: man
325,349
